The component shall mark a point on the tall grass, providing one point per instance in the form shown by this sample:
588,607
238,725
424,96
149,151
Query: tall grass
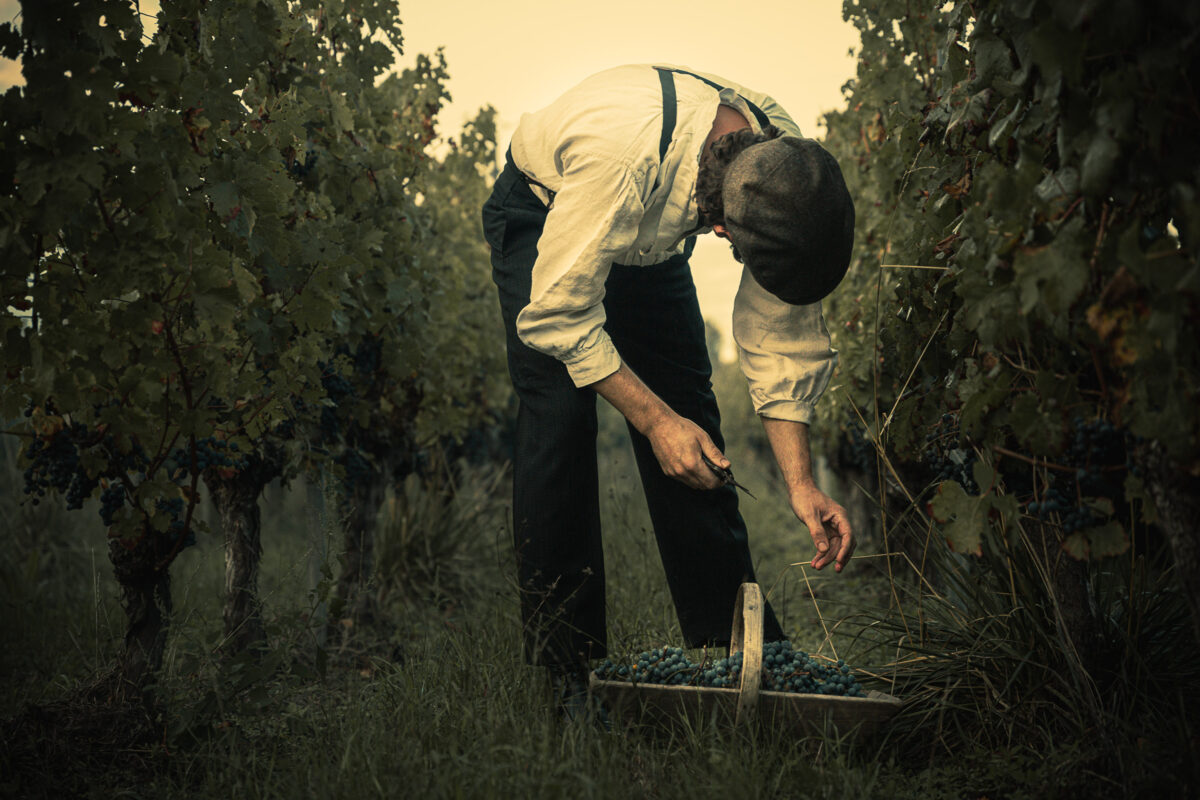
435,699
984,656
57,609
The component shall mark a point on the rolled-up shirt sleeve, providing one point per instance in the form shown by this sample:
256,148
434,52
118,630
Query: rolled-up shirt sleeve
593,218
784,351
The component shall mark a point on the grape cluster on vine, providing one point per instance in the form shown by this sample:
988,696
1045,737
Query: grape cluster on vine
855,451
210,452
945,456
354,448
1096,452
368,356
54,464
783,670
174,508
301,169
357,470
112,500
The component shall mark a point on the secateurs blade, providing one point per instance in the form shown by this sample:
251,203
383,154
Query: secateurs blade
726,476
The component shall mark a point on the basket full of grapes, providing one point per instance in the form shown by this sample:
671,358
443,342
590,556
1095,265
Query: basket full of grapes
771,684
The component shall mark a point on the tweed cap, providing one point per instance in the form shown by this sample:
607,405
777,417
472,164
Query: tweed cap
790,217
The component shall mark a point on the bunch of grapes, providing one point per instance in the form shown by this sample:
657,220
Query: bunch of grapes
855,451
784,670
669,666
336,386
357,469
945,456
368,356
54,465
1096,451
301,169
331,427
175,507
210,452
286,429
112,500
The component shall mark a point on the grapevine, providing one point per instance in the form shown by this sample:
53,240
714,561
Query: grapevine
1025,263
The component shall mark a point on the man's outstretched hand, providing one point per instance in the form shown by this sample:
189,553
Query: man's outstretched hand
828,525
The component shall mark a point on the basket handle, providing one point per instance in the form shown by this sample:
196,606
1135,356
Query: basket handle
747,637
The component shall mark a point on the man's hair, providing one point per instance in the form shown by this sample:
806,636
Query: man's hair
711,179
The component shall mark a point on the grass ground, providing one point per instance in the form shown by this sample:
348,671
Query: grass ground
433,700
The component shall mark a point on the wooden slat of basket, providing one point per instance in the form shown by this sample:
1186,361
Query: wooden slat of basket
655,703
808,713
800,713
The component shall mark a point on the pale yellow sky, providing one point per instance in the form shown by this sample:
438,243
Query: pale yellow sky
520,54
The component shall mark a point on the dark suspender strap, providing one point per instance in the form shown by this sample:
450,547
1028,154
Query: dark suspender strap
668,127
763,119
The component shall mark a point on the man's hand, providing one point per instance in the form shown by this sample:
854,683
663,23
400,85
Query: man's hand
826,520
828,525
678,443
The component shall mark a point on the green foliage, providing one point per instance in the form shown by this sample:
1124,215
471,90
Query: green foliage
464,379
1025,274
193,223
1025,176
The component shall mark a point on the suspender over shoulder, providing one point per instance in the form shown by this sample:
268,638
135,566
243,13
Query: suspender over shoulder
667,78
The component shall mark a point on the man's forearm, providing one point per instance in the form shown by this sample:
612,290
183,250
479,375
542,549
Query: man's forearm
825,519
789,442
678,443
633,398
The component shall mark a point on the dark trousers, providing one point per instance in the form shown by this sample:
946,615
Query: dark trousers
654,321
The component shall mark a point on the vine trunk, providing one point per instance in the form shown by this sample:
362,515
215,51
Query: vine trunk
146,597
236,500
1176,495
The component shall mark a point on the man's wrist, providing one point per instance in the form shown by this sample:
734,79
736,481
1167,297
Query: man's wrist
626,392
652,419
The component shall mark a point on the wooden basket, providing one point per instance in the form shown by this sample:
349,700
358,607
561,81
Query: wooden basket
748,704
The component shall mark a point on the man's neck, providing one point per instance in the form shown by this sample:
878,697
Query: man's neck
728,119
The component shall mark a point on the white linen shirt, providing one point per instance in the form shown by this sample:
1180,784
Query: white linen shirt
595,153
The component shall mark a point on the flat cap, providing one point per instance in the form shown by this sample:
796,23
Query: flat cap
790,217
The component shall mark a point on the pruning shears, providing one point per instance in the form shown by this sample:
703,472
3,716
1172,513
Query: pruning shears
726,476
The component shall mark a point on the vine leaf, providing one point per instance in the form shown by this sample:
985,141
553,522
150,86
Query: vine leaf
1103,541
962,516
